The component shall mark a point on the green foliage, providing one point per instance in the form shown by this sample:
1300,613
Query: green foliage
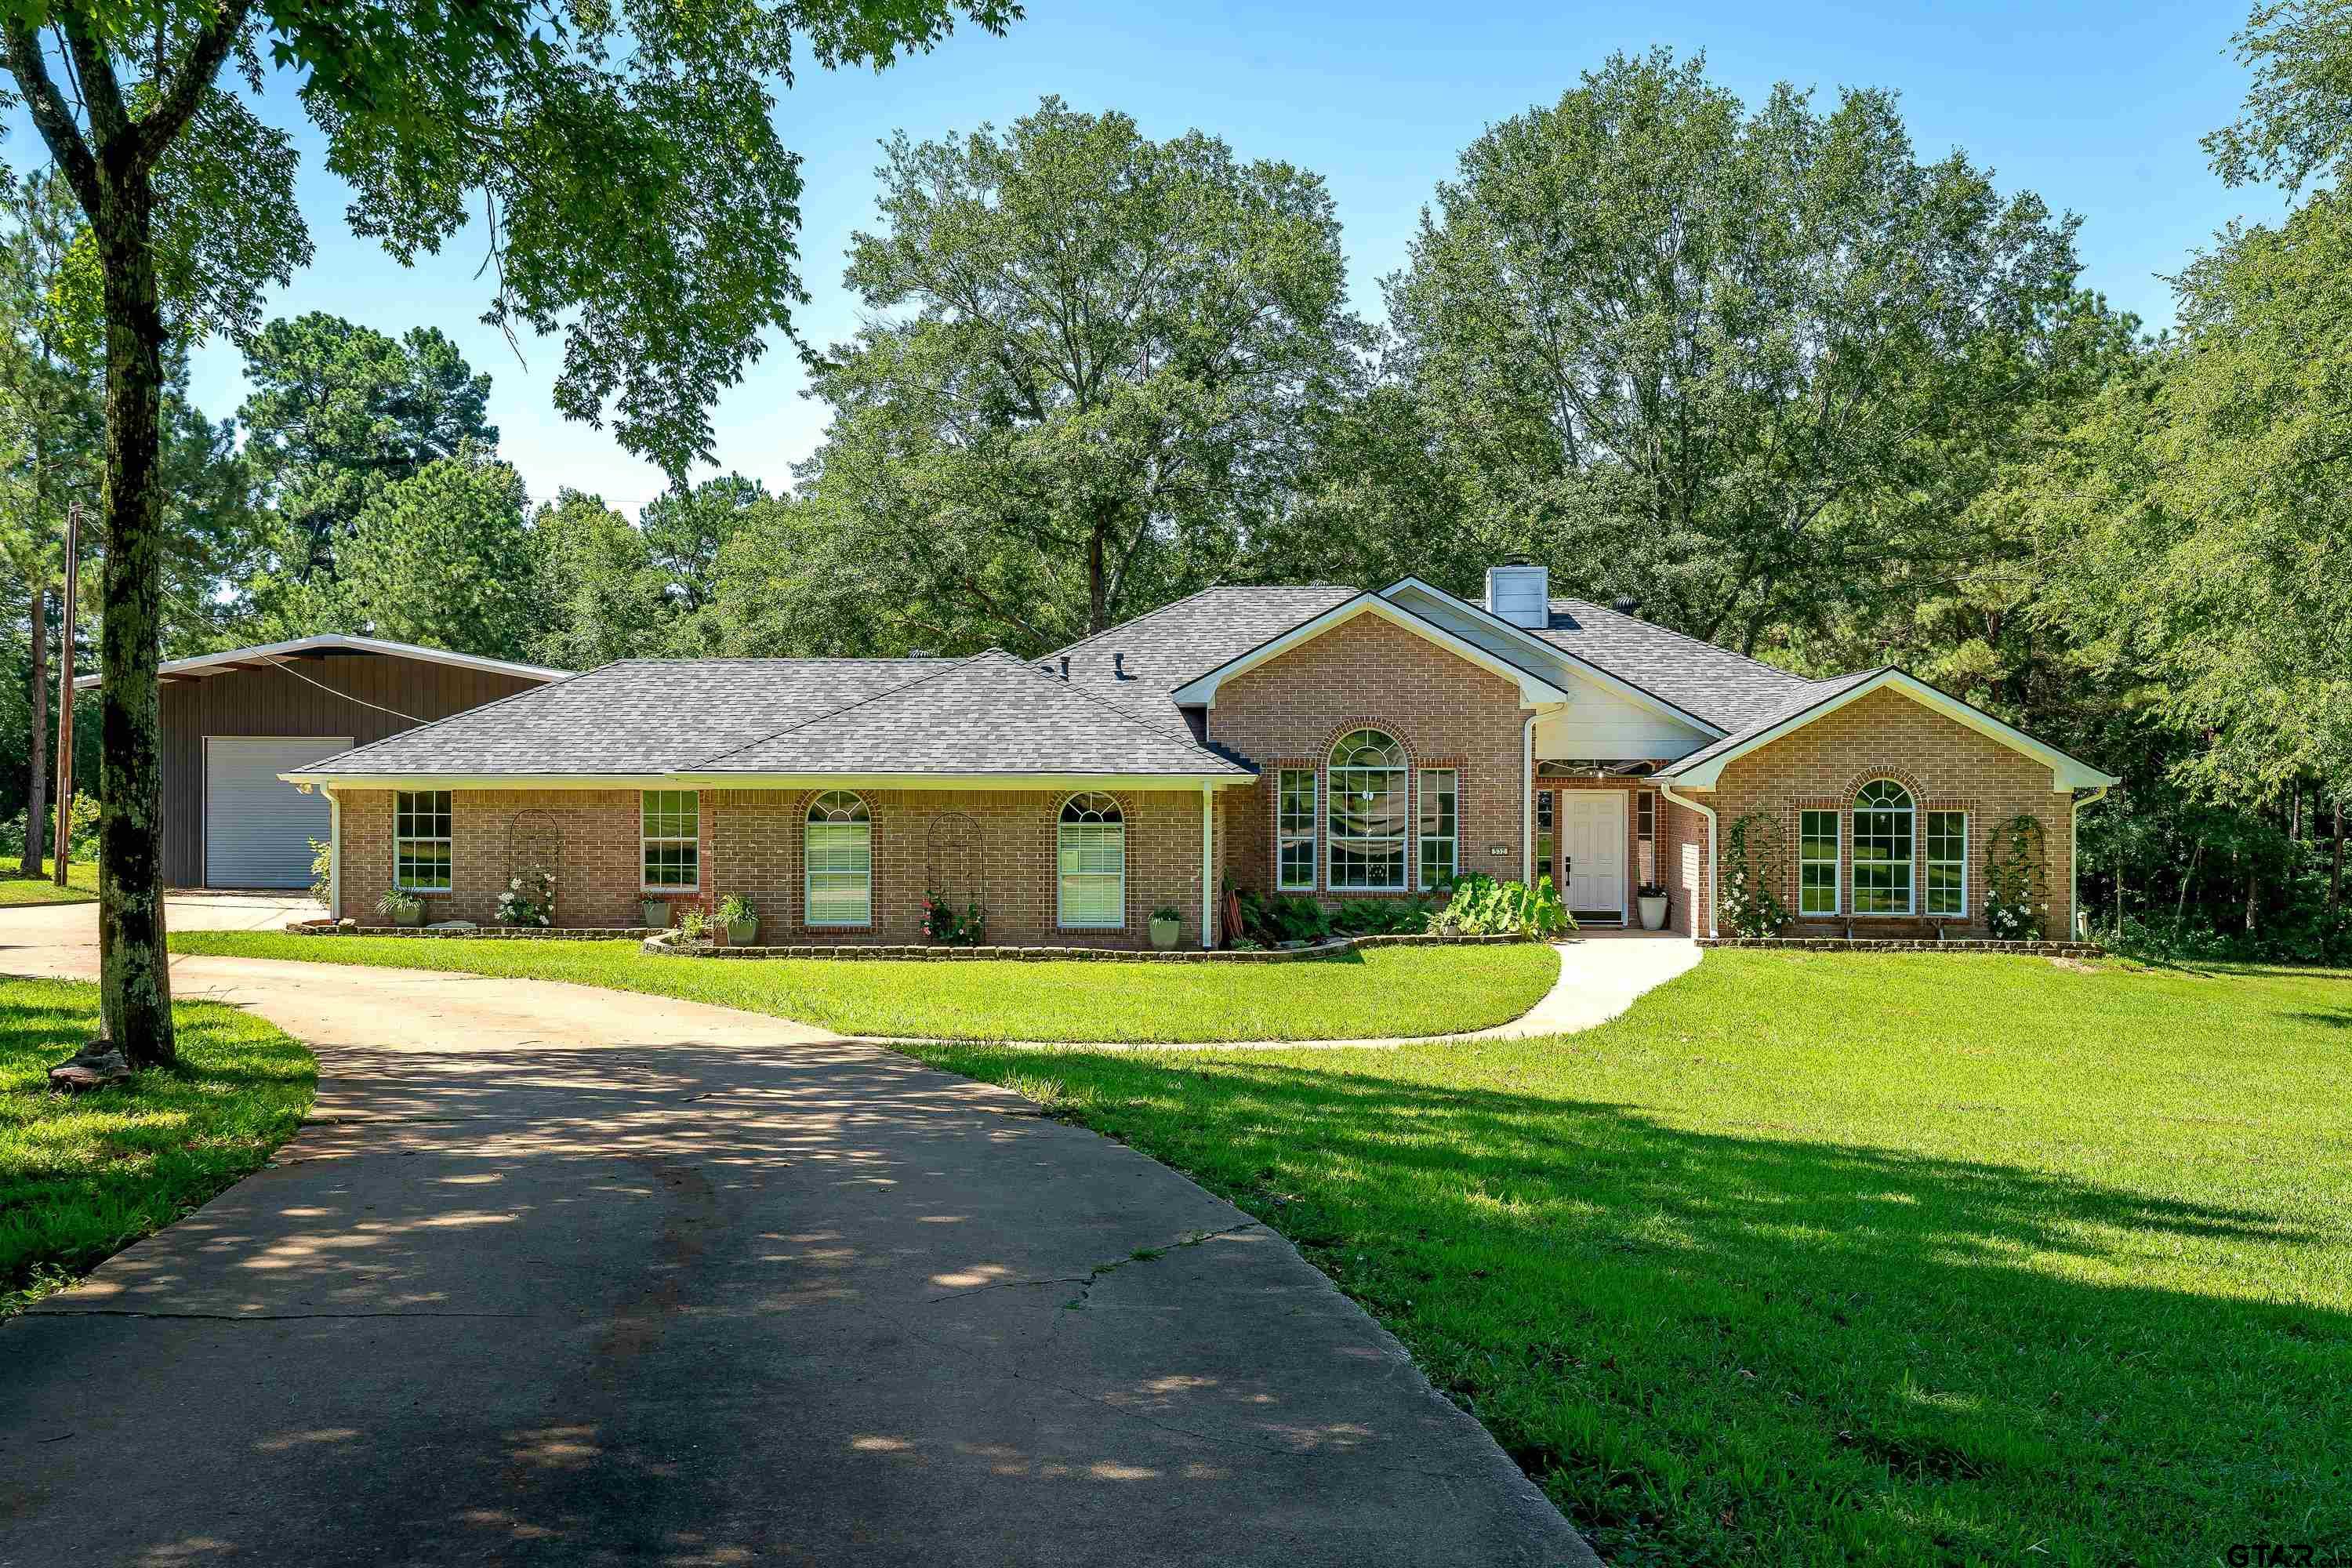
396,903
945,926
529,898
1755,862
322,872
442,559
1481,906
693,924
1088,377
1715,355
735,909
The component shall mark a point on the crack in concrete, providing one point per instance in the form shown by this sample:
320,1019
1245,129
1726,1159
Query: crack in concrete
1087,1280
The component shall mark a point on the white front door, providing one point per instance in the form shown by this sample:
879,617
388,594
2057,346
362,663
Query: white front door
1592,838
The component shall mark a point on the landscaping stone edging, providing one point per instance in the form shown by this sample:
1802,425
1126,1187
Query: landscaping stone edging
667,945
492,933
1908,944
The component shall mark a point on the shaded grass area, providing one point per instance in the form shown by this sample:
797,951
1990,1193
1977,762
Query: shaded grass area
1826,1260
1375,991
81,1178
81,885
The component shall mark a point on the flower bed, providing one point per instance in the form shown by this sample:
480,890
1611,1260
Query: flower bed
1908,944
668,944
492,933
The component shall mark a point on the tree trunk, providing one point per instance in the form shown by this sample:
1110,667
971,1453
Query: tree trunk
1097,583
2188,881
2254,891
2336,863
135,973
37,793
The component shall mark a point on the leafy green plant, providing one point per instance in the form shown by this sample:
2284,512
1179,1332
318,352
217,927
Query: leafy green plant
694,923
2017,879
529,900
1754,862
1167,913
735,909
943,927
1481,906
397,904
323,871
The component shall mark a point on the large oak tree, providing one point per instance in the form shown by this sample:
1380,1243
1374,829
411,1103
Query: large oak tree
629,192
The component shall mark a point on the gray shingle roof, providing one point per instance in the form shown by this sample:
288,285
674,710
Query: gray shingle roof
1729,690
990,713
1169,645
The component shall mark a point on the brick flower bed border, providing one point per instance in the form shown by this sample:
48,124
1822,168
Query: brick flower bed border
492,933
667,945
1907,944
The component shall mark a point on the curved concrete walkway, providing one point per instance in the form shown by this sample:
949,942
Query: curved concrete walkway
558,1274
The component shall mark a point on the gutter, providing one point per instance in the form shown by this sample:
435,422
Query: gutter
335,854
1712,870
1528,800
2074,861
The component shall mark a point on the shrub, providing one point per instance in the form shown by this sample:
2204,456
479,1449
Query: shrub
693,924
1753,865
943,927
2017,881
1481,906
529,900
735,909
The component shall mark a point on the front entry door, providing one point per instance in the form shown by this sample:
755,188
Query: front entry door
1592,842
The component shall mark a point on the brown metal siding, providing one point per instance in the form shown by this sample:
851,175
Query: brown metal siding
275,702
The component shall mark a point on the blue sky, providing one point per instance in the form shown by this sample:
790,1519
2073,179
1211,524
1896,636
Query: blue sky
2097,106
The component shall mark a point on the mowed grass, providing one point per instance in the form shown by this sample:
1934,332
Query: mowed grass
81,1178
1839,1259
81,885
1376,991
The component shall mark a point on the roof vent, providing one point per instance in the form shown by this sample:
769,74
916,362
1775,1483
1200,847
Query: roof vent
1626,605
1119,667
919,653
1065,667
1519,592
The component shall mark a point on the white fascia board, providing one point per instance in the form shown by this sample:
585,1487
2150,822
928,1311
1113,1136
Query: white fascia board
2067,773
1582,668
1186,782
336,642
1533,688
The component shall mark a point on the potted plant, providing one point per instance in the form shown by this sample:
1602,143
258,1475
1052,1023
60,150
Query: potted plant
1654,906
741,919
405,909
654,913
1167,925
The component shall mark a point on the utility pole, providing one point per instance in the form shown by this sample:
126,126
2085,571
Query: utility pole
66,693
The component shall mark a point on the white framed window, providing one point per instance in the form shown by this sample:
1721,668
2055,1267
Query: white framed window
420,840
1948,863
1441,827
669,834
1293,831
1367,813
1090,852
1645,837
1882,822
1817,862
837,853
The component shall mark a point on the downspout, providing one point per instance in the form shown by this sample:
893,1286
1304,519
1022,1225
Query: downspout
1208,865
334,853
1527,799
2075,862
1709,869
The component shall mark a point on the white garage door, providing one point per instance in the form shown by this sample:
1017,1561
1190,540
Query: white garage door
258,827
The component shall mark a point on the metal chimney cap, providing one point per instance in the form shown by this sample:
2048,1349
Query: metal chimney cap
1626,605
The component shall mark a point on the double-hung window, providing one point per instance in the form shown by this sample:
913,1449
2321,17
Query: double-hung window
1441,827
1367,814
669,826
1882,850
1948,863
837,844
420,840
1090,845
1293,831
1817,862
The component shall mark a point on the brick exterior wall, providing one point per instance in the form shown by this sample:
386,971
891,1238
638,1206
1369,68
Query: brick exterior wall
1368,673
1944,764
751,844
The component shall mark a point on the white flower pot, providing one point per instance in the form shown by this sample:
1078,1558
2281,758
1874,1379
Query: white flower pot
1654,913
1164,934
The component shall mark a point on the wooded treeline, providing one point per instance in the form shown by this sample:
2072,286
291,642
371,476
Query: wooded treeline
1758,365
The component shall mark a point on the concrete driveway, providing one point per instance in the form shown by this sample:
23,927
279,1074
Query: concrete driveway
558,1274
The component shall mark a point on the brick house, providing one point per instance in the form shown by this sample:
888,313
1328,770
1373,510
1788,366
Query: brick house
1323,741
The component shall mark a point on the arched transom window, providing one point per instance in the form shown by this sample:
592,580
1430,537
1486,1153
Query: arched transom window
1882,850
1090,848
837,846
1367,822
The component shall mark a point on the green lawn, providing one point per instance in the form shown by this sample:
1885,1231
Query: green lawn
1377,991
1833,1259
82,1178
81,885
